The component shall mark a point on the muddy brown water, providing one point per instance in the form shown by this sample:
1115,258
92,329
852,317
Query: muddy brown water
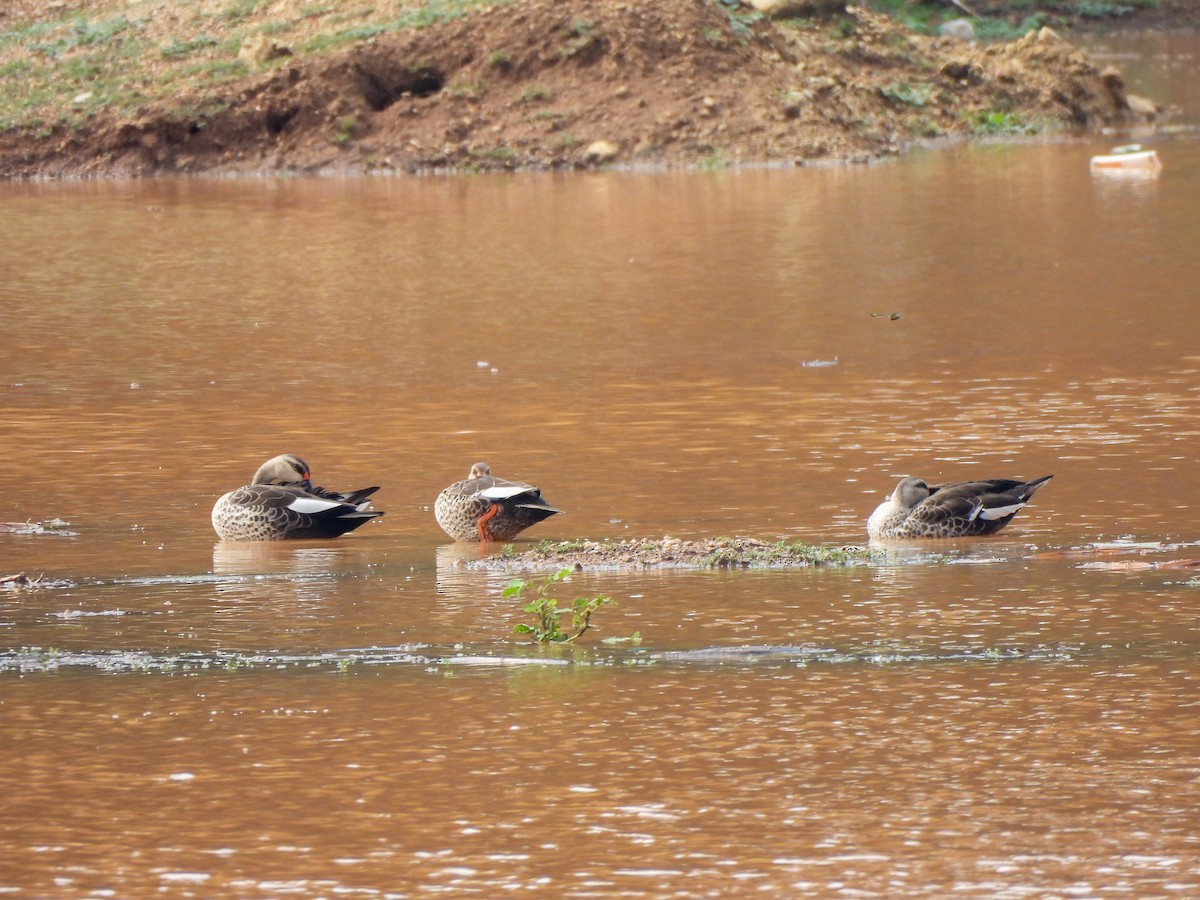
691,354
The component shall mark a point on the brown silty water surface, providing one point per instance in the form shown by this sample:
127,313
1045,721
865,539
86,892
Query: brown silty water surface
687,354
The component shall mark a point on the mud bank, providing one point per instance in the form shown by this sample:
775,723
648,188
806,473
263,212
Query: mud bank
547,84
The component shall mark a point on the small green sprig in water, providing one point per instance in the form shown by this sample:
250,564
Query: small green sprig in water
546,613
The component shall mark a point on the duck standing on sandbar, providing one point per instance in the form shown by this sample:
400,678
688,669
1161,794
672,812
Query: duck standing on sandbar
485,508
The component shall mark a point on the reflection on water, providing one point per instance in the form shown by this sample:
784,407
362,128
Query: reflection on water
1000,717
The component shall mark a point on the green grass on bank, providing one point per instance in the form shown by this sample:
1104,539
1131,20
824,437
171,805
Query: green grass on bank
1006,21
66,63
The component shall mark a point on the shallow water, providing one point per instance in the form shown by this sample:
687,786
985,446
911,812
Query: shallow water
691,354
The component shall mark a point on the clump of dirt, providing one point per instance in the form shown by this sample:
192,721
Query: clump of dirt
553,84
668,552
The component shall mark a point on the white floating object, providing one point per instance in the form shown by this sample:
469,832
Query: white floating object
1141,161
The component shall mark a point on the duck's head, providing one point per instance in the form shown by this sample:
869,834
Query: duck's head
287,468
909,492
480,470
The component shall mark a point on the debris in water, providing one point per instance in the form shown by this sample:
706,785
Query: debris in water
19,580
1129,159
892,316
54,526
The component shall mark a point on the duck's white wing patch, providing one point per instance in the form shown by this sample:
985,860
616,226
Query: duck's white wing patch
999,512
503,491
310,506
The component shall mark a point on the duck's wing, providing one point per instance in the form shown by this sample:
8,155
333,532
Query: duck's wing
300,513
951,502
998,497
515,493
354,498
978,507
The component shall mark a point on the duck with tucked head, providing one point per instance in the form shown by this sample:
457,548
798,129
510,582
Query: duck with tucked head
919,510
485,508
282,503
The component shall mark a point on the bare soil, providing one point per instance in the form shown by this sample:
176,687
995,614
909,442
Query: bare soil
541,84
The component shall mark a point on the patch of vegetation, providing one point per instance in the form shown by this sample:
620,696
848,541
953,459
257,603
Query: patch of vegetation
116,59
920,17
844,29
580,35
1099,9
535,93
240,10
903,92
549,115
83,33
323,42
927,128
925,18
545,612
432,13
988,29
732,556
346,127
708,553
26,36
551,548
740,19
273,28
499,60
213,71
995,122
466,88
188,47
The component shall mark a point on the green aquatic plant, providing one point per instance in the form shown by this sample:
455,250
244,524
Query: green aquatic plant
545,611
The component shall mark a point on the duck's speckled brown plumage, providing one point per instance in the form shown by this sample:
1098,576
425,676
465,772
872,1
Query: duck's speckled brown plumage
965,509
485,508
281,503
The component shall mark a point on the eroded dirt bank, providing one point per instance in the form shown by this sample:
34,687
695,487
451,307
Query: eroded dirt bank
554,84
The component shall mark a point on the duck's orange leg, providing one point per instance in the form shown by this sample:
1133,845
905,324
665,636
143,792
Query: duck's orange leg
481,524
